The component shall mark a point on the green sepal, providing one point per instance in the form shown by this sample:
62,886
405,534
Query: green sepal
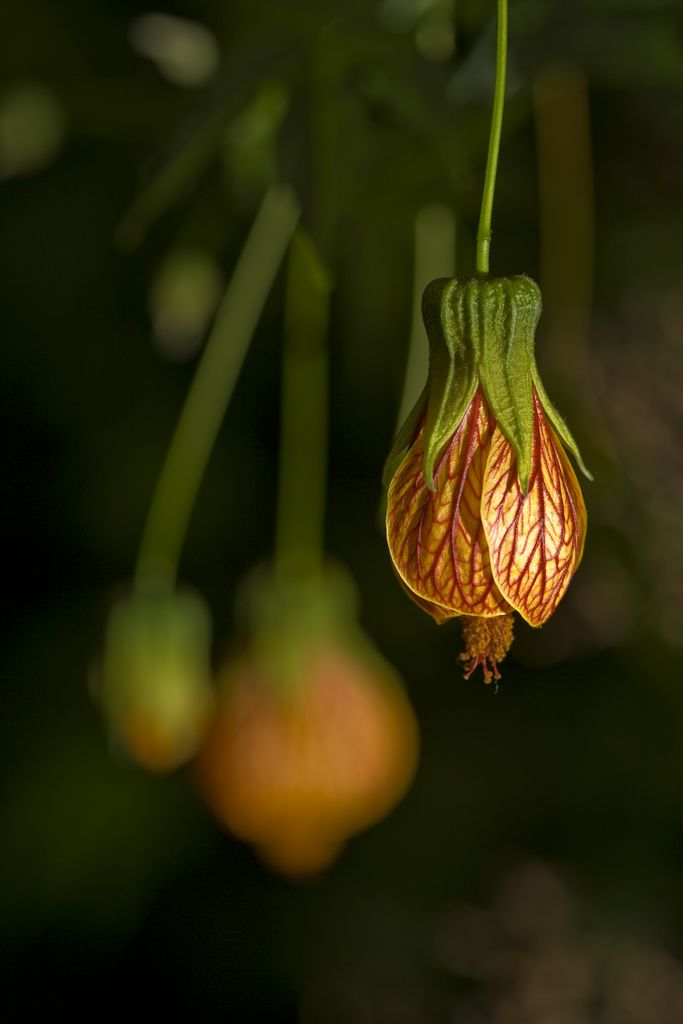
146,632
291,613
404,438
481,333
452,379
503,315
561,428
156,664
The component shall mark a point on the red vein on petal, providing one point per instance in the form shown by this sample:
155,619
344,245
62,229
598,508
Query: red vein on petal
436,539
535,540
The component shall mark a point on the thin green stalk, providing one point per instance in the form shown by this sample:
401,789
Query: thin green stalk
303,444
212,387
484,231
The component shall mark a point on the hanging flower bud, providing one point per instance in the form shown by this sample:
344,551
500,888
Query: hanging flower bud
313,737
154,678
485,515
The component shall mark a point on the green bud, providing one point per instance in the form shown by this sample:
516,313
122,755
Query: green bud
154,677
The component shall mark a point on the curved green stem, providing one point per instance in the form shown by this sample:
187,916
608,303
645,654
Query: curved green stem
484,231
212,387
303,444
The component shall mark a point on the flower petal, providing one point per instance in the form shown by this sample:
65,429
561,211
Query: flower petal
436,538
535,540
437,611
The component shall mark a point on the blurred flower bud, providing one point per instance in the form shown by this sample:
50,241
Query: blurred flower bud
154,678
32,128
313,737
182,300
185,52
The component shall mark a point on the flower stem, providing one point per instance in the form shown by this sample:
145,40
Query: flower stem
484,231
303,445
212,388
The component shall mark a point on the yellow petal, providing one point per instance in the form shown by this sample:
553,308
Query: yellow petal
436,538
536,540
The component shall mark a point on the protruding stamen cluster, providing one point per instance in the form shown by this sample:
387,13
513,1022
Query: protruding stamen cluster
487,641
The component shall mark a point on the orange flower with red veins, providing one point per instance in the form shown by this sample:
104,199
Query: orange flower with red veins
485,515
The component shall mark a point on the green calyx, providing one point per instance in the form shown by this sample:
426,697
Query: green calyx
156,665
481,334
294,613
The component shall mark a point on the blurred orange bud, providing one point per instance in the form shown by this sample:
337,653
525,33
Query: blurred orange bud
154,678
313,737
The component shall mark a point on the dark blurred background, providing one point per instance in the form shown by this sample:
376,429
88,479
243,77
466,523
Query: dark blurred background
534,871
